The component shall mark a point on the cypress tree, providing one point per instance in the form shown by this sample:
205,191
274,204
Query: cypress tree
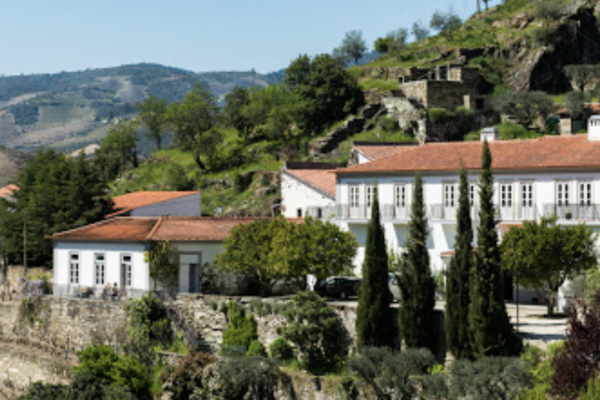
490,328
417,286
374,325
458,296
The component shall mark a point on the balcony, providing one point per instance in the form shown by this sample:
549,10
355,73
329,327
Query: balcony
573,212
389,212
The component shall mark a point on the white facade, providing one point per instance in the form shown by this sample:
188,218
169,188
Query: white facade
79,265
300,199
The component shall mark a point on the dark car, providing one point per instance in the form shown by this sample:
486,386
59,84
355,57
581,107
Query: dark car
340,287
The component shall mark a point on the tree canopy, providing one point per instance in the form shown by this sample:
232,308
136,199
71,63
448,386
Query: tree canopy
544,255
118,150
445,22
152,113
525,107
353,46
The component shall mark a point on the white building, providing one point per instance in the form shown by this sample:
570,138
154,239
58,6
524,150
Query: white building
114,252
533,178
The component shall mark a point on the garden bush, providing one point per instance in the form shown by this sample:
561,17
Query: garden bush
281,350
241,330
187,376
256,349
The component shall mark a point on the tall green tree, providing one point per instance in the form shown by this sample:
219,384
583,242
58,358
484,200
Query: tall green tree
328,90
118,150
195,122
490,328
235,101
417,286
374,325
544,255
56,193
458,296
152,113
353,46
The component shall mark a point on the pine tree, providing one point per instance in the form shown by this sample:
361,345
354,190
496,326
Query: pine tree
490,328
458,296
417,286
374,325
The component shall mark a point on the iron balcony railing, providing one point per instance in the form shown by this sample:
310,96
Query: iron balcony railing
573,212
362,212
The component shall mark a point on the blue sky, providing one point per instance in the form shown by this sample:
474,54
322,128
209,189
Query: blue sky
41,36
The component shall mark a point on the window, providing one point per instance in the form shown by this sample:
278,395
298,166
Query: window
74,268
126,270
527,195
319,213
506,195
472,191
371,193
400,196
299,213
585,194
354,193
99,266
449,196
562,194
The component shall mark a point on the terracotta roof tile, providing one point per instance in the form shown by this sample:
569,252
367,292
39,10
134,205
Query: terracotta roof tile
549,152
8,190
121,229
321,179
130,201
377,151
135,229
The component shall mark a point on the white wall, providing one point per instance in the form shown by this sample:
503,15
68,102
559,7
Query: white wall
86,251
296,195
205,251
188,206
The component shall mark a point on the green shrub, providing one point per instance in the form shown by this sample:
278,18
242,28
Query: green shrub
241,330
177,179
387,124
256,349
241,376
316,331
437,115
592,391
281,350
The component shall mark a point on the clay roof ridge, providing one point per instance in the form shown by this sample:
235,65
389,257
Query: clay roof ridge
102,222
156,226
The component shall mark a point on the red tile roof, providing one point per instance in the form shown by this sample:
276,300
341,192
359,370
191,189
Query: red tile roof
8,190
320,179
549,152
377,151
140,229
127,202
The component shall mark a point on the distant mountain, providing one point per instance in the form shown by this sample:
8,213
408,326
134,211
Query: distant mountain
69,110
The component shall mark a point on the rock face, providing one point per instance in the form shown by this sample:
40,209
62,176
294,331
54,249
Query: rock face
576,40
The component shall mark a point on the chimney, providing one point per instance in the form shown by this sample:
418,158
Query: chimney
594,128
490,134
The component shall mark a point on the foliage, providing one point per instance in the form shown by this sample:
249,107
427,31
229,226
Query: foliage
548,10
330,92
148,326
31,309
194,120
241,330
592,391
575,105
277,249
525,107
579,360
118,150
374,325
108,368
56,193
176,178
248,378
163,262
233,115
582,75
419,31
316,332
417,287
353,46
544,255
488,320
152,113
256,349
458,297
281,350
182,380
445,22
390,374
394,42
490,378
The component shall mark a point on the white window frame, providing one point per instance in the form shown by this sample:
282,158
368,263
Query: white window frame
354,196
449,195
507,195
128,266
585,192
371,191
527,199
74,268
472,194
400,195
100,269
563,195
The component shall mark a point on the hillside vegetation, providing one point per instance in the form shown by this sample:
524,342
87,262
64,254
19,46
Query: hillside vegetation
72,109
